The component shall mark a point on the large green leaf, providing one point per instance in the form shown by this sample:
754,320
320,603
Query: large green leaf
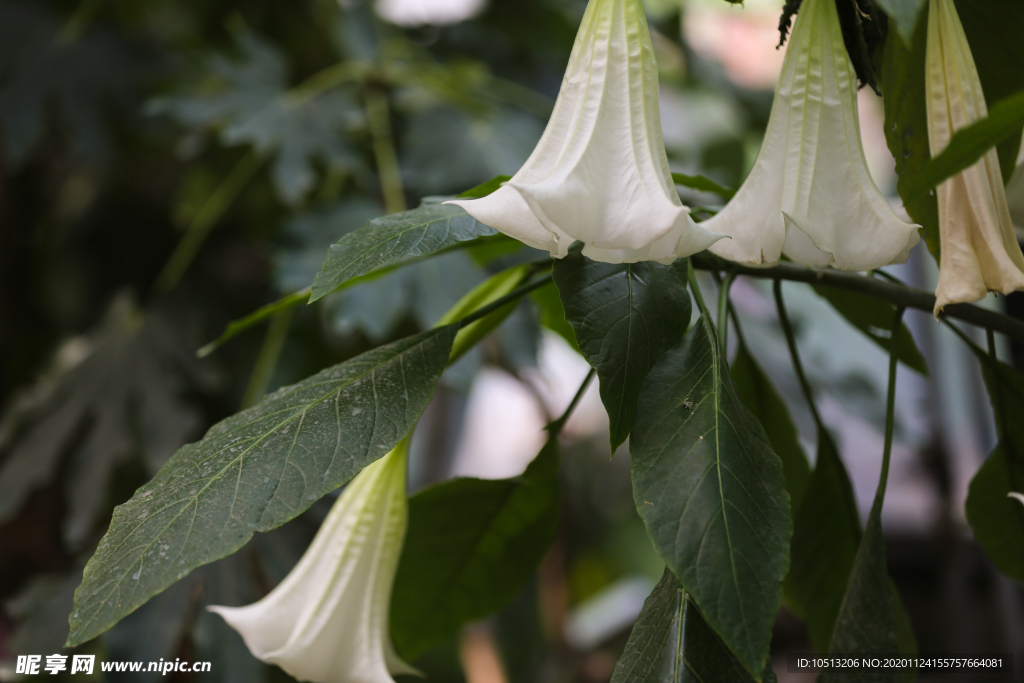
625,316
998,521
255,471
672,643
867,619
903,13
703,184
471,546
826,535
760,397
873,317
427,230
712,493
992,29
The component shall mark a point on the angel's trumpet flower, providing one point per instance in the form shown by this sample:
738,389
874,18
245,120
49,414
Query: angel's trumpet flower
327,622
978,250
1018,496
809,195
600,173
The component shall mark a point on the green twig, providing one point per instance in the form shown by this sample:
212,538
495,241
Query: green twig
890,413
723,308
204,220
555,428
794,353
266,362
515,294
379,115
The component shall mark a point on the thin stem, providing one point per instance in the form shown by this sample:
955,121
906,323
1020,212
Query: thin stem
515,294
723,308
76,25
691,277
266,362
205,219
379,114
890,412
555,427
736,324
991,338
794,353
324,80
896,294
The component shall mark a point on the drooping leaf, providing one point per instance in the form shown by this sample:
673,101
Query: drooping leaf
873,317
471,546
256,470
903,14
702,184
760,398
826,535
672,643
998,521
625,317
712,493
866,623
427,230
552,313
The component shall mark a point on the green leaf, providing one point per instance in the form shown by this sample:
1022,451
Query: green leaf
969,144
998,520
867,619
427,230
255,471
625,316
484,189
903,13
760,398
712,493
672,643
826,535
471,546
702,184
552,313
873,317
906,125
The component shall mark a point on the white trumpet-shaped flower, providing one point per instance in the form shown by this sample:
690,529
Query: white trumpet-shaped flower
600,173
979,252
327,622
810,195
1018,496
420,12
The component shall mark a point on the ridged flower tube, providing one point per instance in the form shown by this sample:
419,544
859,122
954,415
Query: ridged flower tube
810,195
978,250
600,173
327,621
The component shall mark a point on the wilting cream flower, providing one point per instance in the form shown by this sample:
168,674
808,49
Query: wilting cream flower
327,622
979,252
810,195
600,173
419,12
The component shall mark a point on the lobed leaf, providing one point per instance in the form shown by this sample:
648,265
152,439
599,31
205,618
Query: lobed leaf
255,471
